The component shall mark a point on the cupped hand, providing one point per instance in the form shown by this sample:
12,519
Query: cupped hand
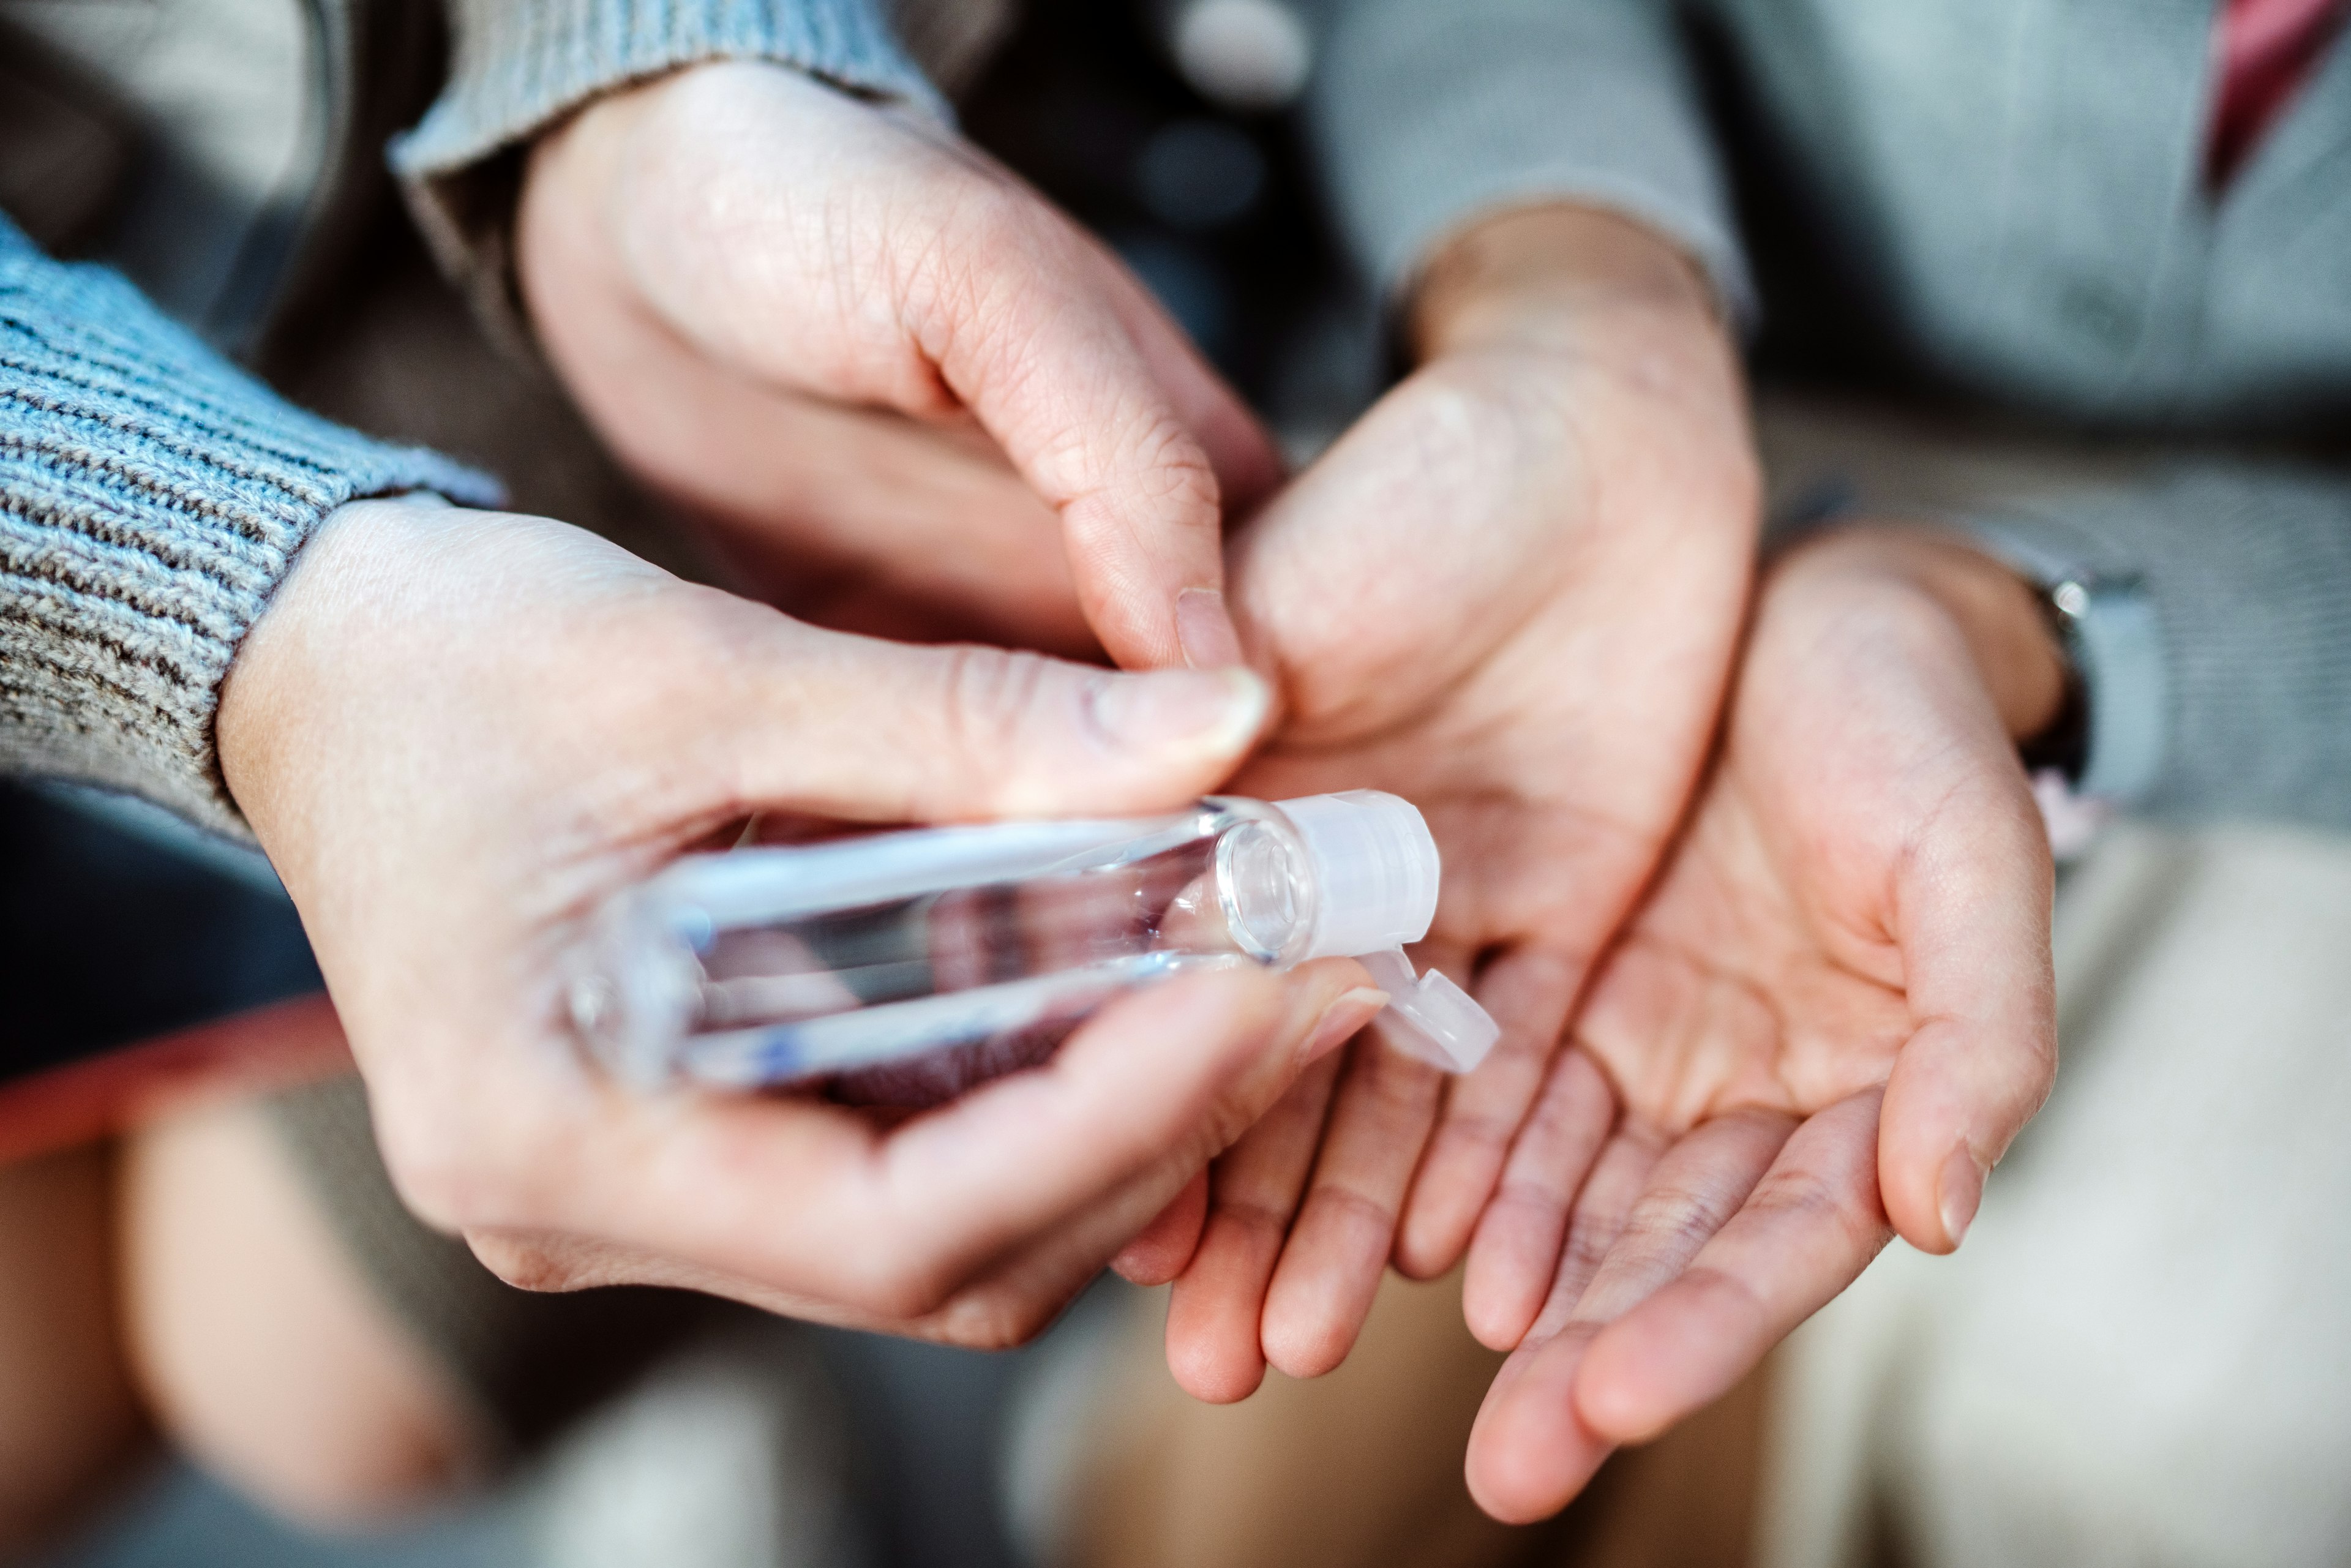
886,369
1823,1027
1510,594
457,732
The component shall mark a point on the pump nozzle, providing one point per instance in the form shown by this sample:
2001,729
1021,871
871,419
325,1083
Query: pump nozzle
1430,1017
1376,868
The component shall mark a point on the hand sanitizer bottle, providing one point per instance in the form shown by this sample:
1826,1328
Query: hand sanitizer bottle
905,966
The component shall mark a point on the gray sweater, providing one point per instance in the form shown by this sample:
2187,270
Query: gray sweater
151,495
2014,189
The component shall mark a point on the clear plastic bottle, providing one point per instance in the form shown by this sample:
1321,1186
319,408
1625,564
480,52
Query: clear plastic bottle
906,965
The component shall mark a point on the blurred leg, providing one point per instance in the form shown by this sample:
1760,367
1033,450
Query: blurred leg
1359,1469
262,1350
69,1422
2139,1355
1362,1469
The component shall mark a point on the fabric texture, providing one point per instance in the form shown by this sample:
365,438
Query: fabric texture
2137,1356
2248,569
518,67
152,499
2002,203
1426,118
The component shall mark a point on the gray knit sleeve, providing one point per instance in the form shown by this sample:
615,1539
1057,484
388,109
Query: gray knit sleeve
1425,117
2242,685
151,497
522,64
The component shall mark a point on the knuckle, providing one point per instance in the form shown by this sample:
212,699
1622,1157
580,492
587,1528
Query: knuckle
434,1174
1669,1222
1258,1217
995,698
1351,1206
521,1263
899,1287
993,1320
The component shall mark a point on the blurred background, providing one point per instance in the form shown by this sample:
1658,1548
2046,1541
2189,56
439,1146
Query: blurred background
2118,1369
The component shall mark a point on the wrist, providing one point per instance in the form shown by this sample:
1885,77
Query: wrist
1556,273
279,699
1997,612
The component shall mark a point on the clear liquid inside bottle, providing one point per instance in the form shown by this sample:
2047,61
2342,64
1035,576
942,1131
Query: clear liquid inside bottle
905,966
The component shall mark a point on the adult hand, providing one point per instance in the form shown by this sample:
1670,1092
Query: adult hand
457,732
1823,1025
882,365
1509,594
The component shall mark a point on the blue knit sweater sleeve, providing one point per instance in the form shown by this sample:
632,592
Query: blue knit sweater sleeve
152,499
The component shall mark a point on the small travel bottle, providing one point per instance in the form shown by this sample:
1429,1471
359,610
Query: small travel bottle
903,966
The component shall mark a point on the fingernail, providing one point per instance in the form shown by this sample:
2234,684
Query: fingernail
1213,711
1204,629
1962,1190
1348,1013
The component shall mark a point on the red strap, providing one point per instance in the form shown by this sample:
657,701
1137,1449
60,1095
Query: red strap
268,1049
2264,49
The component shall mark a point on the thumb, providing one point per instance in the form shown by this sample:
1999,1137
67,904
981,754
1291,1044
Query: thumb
1975,902
858,729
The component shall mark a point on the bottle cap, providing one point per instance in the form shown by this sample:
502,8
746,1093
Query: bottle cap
1375,871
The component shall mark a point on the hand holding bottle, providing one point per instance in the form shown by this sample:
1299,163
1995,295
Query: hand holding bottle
457,732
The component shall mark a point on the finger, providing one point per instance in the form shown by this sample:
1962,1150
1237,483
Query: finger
807,1199
1521,1236
1216,1313
1017,1298
1807,1232
1531,1449
1006,1305
1247,466
1695,1186
1973,922
854,729
867,519
1530,1453
1158,1253
1602,1208
1339,1249
1528,992
1023,330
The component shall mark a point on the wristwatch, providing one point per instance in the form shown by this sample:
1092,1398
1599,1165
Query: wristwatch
2107,739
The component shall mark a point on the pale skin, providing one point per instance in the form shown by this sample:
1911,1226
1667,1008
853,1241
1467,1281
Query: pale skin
887,372
1512,595
1559,505
472,682
548,718
1561,508
1856,908
1821,1028
454,731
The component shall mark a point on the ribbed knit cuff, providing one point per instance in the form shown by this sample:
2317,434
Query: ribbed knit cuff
519,66
1427,118
2247,571
152,499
